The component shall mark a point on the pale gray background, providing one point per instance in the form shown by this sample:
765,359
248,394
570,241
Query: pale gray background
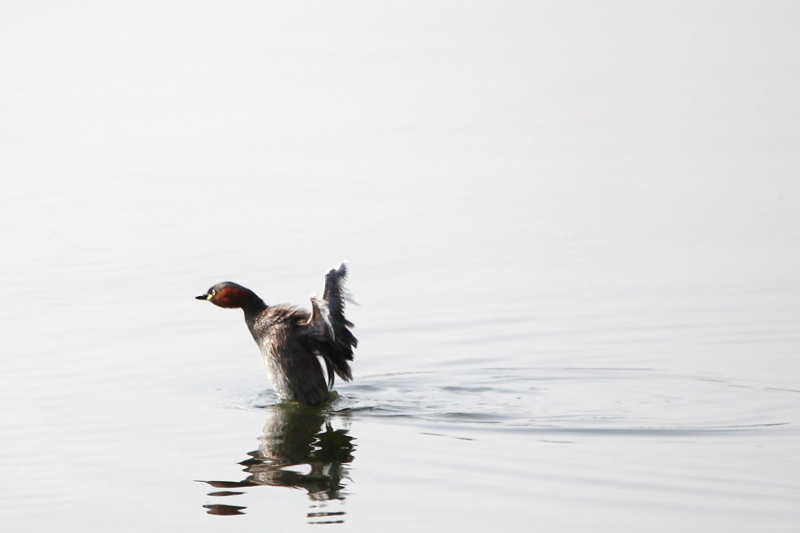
579,222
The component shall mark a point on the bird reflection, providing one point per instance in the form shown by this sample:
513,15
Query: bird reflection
299,449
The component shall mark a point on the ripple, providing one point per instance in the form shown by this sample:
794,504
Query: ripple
574,400
602,401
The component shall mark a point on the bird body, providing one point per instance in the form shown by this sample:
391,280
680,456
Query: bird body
292,340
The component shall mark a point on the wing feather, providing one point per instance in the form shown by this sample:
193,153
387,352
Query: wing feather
328,328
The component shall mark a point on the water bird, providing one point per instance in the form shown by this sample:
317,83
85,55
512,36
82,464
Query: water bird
292,340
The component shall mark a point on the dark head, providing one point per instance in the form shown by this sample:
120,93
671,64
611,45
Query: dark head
231,295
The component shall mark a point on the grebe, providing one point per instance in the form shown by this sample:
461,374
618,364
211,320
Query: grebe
292,340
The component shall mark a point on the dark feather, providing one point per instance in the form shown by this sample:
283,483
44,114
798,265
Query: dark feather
328,332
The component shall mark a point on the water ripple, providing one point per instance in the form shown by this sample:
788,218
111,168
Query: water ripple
574,400
601,401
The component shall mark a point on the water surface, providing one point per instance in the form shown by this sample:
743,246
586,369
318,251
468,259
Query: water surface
572,231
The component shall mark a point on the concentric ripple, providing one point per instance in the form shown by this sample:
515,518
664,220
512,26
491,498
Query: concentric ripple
572,400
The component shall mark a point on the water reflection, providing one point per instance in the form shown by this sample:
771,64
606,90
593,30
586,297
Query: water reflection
299,449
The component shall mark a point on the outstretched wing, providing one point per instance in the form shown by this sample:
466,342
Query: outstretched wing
330,333
334,295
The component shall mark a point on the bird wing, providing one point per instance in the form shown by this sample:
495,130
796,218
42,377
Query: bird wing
335,294
329,329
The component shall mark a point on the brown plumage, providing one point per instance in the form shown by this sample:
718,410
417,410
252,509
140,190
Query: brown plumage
292,340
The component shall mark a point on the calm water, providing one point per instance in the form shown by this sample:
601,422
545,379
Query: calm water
573,233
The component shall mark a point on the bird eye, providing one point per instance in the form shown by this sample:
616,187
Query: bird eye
211,293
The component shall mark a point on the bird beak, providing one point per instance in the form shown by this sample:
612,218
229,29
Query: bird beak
201,297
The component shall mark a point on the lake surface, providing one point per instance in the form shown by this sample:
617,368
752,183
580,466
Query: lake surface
573,232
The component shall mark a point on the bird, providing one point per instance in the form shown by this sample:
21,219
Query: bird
293,340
